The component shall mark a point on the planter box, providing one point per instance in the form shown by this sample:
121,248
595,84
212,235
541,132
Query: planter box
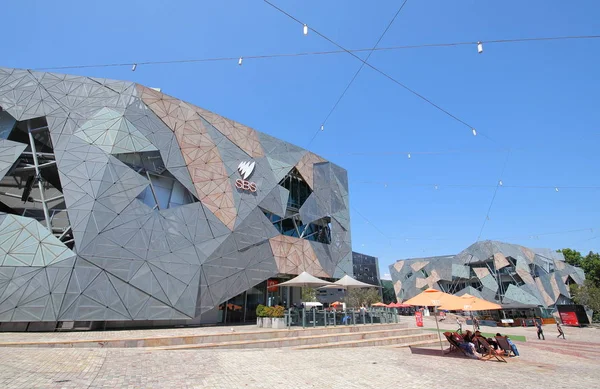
259,322
266,322
278,323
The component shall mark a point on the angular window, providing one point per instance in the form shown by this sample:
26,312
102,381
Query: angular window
317,231
298,188
164,191
31,187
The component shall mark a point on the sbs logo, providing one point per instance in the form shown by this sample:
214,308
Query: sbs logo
246,168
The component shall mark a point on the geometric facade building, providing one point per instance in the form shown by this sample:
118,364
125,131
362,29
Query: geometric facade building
121,203
508,274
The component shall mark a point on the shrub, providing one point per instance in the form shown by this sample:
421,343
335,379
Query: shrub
278,311
261,311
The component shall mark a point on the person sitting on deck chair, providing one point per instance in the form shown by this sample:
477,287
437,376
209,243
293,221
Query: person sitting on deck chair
510,342
468,346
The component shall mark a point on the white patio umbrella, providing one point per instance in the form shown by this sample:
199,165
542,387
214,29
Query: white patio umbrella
348,282
305,280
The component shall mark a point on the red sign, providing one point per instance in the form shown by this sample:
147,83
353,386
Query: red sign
569,318
419,318
271,285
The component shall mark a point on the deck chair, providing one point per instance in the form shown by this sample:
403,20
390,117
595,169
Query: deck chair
504,345
454,346
488,351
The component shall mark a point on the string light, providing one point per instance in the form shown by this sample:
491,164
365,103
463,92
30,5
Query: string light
240,61
305,29
556,189
322,127
474,131
408,155
133,67
435,187
500,183
479,47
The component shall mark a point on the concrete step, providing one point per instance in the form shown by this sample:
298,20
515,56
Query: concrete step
165,341
301,340
424,338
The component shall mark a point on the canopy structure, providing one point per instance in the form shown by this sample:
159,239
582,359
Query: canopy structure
379,305
433,297
305,280
467,302
348,282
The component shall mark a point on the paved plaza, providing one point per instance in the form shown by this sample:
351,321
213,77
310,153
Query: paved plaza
554,363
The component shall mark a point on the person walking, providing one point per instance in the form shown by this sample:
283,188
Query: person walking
459,322
560,331
540,331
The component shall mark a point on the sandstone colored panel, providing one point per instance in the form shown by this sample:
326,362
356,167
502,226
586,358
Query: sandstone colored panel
555,288
419,265
433,278
528,253
242,136
481,272
525,276
398,266
500,261
305,167
421,282
397,287
559,265
201,155
547,299
294,255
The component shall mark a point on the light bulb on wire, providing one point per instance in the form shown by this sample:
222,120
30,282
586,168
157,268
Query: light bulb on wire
556,189
474,131
322,127
479,47
408,155
133,67
500,183
240,61
305,30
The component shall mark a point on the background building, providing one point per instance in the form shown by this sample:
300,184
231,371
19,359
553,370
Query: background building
365,268
509,274
119,203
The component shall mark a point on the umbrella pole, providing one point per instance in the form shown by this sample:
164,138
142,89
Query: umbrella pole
438,328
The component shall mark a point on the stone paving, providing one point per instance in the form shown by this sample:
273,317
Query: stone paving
554,363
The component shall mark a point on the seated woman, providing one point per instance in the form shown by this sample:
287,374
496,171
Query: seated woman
510,342
468,346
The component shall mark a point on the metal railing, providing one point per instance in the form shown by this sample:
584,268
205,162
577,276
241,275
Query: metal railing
328,318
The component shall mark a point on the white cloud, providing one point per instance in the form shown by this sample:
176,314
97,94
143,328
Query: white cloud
386,276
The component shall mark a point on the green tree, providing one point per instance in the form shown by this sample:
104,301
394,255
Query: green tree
358,297
572,257
590,264
588,295
309,294
389,295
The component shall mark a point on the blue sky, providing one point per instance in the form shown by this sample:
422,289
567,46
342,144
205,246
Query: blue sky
538,99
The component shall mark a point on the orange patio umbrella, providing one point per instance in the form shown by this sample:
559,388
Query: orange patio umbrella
379,305
467,302
433,297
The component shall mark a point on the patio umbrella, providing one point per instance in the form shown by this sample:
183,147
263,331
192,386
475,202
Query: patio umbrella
435,298
305,280
467,302
379,305
348,282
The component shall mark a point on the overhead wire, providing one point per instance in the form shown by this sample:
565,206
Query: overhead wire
414,92
362,65
310,53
